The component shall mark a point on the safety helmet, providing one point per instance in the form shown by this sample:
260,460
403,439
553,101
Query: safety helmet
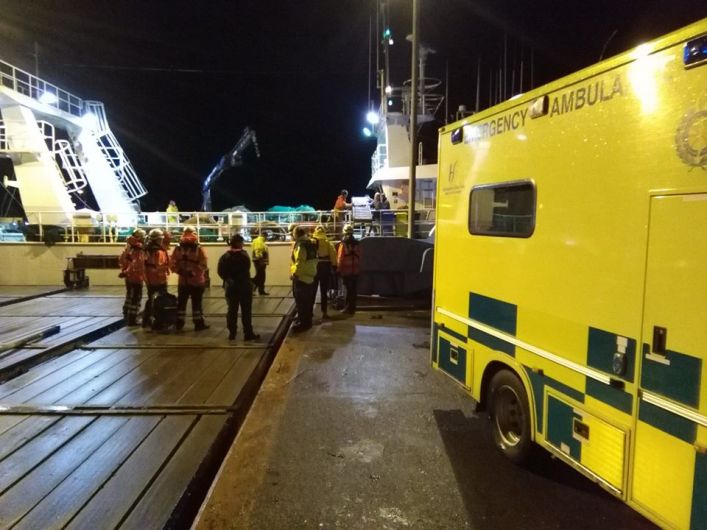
348,229
156,233
291,228
188,229
139,233
319,230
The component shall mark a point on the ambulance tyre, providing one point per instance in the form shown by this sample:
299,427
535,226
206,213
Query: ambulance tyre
510,416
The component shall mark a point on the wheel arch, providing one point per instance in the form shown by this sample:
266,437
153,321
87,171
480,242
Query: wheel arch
517,370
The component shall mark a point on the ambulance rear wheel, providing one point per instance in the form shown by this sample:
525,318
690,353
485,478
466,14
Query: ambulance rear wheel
510,416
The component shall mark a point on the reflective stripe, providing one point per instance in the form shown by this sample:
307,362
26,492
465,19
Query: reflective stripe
598,376
679,410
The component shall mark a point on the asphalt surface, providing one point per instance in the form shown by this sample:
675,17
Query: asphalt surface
354,429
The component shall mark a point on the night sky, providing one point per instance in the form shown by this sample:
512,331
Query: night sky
181,79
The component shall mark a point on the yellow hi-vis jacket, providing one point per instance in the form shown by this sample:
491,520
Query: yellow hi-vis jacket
260,250
325,249
304,260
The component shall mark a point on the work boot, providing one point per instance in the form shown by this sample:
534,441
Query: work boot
232,335
146,323
251,336
180,325
200,326
263,293
132,321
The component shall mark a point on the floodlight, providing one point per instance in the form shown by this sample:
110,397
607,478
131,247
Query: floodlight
48,98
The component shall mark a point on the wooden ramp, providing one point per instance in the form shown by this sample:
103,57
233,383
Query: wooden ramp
120,432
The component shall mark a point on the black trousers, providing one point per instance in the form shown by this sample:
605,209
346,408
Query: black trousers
152,292
351,284
133,296
322,280
259,279
196,293
244,300
304,301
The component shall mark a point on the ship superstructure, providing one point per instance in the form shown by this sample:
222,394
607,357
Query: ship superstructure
59,145
390,163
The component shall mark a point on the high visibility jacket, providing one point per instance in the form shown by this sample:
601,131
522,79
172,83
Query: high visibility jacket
132,261
156,264
304,260
260,250
348,259
325,249
189,261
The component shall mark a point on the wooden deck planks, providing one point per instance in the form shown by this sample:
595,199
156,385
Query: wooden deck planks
111,503
43,479
105,471
68,497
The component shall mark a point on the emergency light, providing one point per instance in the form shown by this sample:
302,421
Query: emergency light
695,51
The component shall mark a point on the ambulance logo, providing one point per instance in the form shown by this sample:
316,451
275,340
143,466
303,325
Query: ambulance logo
691,139
451,172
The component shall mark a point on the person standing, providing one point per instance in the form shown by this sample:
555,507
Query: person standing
303,269
234,270
132,268
173,213
326,263
348,263
340,207
156,272
260,262
189,262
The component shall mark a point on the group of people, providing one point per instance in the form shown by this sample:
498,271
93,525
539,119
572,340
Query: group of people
149,262
313,261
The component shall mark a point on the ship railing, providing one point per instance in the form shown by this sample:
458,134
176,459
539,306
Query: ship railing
36,88
92,227
113,153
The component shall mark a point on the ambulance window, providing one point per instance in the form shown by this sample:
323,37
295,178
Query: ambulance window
506,209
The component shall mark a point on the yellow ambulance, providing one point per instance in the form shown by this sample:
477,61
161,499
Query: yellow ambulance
570,279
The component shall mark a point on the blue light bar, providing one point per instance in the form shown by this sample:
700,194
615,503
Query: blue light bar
695,51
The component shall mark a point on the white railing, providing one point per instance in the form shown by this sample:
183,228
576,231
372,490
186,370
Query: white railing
36,88
217,227
115,155
73,171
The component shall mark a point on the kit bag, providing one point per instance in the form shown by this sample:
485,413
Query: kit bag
164,311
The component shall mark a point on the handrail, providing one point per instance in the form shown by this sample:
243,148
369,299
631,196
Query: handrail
96,227
34,87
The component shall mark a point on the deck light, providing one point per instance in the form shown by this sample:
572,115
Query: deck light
367,132
48,98
389,90
372,117
89,121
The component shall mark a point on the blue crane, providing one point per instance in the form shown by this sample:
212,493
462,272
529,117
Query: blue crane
234,158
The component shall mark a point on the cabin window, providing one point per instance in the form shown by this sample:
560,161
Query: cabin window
506,209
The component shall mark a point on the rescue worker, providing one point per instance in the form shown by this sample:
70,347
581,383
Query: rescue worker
132,269
303,268
234,270
189,261
172,209
260,262
348,264
326,264
340,207
156,272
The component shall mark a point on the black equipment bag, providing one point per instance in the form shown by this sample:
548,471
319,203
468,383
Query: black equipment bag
164,311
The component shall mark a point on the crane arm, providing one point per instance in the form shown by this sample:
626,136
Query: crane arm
233,158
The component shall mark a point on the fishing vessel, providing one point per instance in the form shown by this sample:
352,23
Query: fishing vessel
391,160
